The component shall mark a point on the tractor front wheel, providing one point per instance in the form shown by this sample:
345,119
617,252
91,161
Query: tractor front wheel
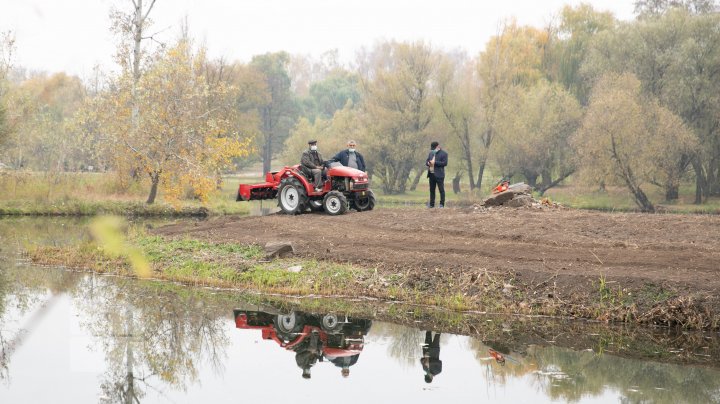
292,197
364,203
335,203
331,323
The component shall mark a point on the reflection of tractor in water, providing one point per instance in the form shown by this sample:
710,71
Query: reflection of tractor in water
312,337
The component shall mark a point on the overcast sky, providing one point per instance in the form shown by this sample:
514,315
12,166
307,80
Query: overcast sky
73,35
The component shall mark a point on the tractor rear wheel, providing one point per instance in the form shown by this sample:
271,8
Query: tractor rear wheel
289,323
364,203
335,203
292,197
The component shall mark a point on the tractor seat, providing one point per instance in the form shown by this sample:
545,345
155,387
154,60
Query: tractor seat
305,171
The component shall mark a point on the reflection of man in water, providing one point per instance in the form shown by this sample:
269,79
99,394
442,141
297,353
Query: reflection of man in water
431,363
308,353
344,362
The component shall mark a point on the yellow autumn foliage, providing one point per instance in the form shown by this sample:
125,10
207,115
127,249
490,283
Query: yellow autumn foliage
176,127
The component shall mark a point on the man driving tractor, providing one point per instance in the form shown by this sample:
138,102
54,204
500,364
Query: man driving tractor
313,162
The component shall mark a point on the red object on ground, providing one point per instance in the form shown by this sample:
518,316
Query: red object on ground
501,187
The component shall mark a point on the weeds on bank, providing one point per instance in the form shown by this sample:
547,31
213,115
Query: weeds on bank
615,304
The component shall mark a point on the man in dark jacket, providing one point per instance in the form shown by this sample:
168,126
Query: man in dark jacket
350,157
312,161
430,361
308,352
436,162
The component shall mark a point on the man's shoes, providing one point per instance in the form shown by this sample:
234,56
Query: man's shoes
427,205
441,206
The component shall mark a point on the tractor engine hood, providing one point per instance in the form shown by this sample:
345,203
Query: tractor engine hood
350,172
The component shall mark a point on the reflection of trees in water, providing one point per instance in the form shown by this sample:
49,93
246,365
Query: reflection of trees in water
591,374
4,349
494,373
570,375
404,343
25,289
17,233
153,335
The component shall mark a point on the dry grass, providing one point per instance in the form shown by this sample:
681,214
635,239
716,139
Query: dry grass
81,194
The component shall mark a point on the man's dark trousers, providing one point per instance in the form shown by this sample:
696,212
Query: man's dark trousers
440,182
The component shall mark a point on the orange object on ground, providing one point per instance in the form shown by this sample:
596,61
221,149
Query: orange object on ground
501,187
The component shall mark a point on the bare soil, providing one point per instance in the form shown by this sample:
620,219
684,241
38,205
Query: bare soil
559,254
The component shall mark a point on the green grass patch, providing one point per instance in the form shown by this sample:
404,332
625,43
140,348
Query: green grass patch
619,199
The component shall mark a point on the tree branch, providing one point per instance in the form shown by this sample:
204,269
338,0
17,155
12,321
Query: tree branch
148,10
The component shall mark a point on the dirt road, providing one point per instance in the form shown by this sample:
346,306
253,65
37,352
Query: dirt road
683,250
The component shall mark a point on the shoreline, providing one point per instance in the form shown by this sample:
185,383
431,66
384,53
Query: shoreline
244,267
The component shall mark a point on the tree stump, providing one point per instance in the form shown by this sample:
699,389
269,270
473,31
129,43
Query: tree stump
499,198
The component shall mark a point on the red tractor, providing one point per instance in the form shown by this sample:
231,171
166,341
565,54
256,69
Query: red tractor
343,188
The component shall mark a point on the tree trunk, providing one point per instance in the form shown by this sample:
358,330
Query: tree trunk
416,180
481,171
155,179
545,179
531,178
130,395
640,197
267,156
699,180
672,192
713,178
137,39
267,147
547,184
627,174
456,182
468,161
642,200
402,178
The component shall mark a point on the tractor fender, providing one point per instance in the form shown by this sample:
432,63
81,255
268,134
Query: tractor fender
294,172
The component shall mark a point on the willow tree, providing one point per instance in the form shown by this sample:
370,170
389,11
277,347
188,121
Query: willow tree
43,137
536,142
513,57
459,99
7,47
185,128
676,57
570,44
279,112
399,105
629,138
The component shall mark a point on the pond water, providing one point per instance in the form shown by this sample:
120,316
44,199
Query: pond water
69,337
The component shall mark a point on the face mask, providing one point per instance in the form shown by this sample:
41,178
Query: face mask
313,147
351,150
